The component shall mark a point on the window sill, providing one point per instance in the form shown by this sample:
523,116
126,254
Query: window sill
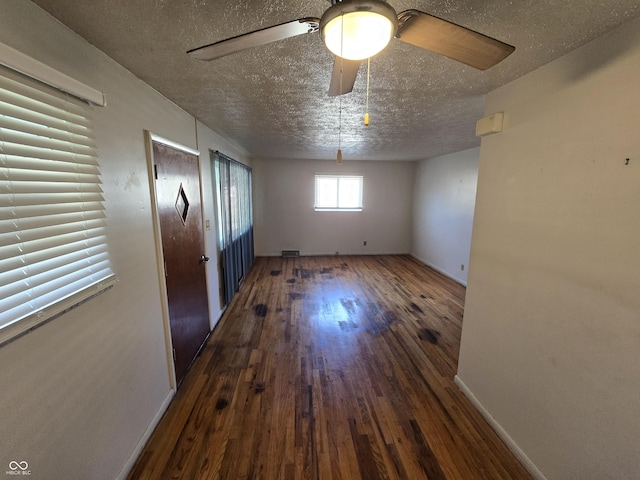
337,209
22,326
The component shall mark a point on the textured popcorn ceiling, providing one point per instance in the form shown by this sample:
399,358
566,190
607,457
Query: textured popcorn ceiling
272,100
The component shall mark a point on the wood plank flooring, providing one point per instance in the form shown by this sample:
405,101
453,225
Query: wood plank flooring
330,368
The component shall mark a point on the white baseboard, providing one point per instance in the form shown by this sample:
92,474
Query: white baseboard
439,270
513,446
126,469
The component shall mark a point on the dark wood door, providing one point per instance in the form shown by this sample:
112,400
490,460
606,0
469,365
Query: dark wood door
180,212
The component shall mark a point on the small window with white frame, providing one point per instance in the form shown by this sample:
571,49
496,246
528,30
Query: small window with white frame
338,193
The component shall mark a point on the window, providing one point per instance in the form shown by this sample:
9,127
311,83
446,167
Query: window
53,250
338,193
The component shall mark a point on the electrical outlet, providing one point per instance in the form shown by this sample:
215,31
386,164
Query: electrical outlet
462,267
364,243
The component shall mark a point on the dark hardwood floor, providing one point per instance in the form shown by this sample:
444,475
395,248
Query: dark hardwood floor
330,368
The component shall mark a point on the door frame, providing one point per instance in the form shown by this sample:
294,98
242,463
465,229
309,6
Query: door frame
157,235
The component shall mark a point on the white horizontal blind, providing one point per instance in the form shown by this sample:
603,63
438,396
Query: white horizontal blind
53,250
338,192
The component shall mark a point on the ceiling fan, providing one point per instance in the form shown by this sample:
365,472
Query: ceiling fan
354,30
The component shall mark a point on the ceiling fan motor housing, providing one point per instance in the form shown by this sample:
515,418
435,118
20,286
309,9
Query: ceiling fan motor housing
358,29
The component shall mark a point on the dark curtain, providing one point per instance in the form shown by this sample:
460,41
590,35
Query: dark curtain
235,222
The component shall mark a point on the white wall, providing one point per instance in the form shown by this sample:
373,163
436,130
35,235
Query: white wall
444,195
285,220
551,333
78,394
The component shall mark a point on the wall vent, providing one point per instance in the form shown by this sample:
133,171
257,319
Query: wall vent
290,253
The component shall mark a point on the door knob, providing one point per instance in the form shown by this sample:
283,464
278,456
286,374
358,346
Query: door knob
204,258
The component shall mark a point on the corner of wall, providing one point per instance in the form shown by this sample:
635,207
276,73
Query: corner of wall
513,446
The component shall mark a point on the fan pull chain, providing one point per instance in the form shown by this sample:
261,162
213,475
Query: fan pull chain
366,114
339,155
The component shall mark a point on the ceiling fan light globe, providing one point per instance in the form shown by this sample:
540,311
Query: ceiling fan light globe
356,30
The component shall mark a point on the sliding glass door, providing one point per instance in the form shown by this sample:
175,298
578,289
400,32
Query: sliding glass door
235,221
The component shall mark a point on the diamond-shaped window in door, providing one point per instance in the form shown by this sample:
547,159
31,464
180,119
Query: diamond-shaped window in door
182,205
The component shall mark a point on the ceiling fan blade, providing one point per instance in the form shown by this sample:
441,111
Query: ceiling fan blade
343,76
255,38
451,40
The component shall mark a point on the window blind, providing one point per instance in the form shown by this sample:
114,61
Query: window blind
53,248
